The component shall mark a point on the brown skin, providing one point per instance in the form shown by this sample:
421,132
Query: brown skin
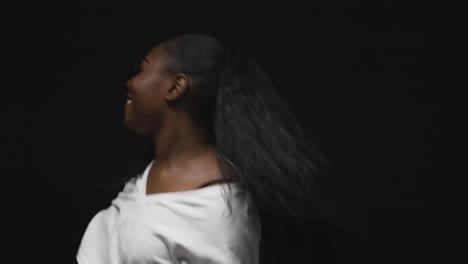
184,158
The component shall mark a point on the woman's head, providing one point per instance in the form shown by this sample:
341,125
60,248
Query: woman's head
253,129
179,75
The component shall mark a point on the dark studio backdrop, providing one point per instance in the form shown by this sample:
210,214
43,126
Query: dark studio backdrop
353,72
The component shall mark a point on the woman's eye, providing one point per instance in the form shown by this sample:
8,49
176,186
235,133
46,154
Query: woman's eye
138,68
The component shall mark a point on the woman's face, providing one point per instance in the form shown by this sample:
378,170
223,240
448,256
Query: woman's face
146,104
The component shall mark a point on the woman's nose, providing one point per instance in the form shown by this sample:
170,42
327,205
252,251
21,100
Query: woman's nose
130,84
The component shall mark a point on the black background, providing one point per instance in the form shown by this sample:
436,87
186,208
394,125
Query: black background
354,72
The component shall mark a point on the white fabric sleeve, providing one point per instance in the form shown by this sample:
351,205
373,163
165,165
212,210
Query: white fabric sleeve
237,243
90,250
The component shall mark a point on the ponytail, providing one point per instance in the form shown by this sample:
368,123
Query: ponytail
257,135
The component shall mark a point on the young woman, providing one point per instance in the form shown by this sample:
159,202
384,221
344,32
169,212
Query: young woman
216,122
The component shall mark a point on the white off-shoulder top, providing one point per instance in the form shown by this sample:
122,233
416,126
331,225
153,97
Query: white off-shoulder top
193,226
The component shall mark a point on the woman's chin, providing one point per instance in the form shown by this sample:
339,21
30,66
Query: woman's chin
129,123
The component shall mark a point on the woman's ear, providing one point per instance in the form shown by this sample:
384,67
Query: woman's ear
180,85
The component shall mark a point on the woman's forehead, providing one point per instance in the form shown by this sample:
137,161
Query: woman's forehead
154,53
